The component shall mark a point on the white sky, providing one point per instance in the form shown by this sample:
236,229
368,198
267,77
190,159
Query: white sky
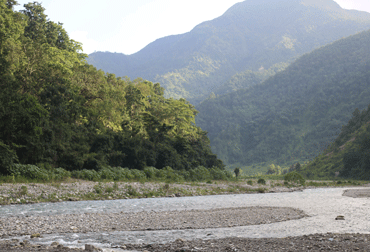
126,26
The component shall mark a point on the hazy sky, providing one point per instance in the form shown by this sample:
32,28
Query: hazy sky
126,26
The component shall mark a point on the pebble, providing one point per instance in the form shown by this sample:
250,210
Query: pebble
167,220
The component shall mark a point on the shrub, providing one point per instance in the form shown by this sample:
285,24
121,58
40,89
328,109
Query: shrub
150,172
261,181
106,173
91,175
137,174
167,173
250,182
28,171
98,188
23,190
218,174
294,177
59,174
109,189
122,173
261,190
200,174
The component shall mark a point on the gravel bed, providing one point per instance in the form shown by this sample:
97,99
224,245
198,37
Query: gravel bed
357,193
88,190
171,220
316,242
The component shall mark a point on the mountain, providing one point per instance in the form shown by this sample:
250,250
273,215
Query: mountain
349,154
294,115
250,35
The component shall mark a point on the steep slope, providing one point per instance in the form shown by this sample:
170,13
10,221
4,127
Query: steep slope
249,35
349,154
295,114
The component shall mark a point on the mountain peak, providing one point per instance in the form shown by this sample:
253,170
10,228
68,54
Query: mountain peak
322,4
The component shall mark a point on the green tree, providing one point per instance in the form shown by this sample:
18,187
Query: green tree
237,171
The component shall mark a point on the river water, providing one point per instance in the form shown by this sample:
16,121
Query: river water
322,205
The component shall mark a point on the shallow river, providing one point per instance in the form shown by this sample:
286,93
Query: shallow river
322,205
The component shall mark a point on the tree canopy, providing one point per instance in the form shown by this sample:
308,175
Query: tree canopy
56,110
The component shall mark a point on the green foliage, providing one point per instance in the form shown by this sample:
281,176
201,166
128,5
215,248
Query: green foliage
277,170
23,190
59,174
348,156
91,175
237,171
220,174
28,171
294,115
7,157
98,188
261,181
58,111
294,177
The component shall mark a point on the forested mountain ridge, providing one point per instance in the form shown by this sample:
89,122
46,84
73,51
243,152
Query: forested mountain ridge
349,155
297,113
249,35
56,110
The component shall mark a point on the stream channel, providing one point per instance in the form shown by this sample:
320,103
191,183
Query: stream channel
322,205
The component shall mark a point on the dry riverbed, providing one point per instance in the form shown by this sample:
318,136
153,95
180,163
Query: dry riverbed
86,190
167,220
315,242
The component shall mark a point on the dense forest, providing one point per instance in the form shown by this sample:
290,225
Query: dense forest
56,110
216,55
294,115
349,155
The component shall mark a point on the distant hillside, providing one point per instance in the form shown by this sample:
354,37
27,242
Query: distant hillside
349,154
250,35
297,113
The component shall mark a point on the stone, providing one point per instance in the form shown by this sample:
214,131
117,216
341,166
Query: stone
36,235
54,244
92,248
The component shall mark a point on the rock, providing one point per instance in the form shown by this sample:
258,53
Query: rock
92,248
37,235
24,243
54,244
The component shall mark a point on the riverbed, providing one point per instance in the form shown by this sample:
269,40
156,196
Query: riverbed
321,206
